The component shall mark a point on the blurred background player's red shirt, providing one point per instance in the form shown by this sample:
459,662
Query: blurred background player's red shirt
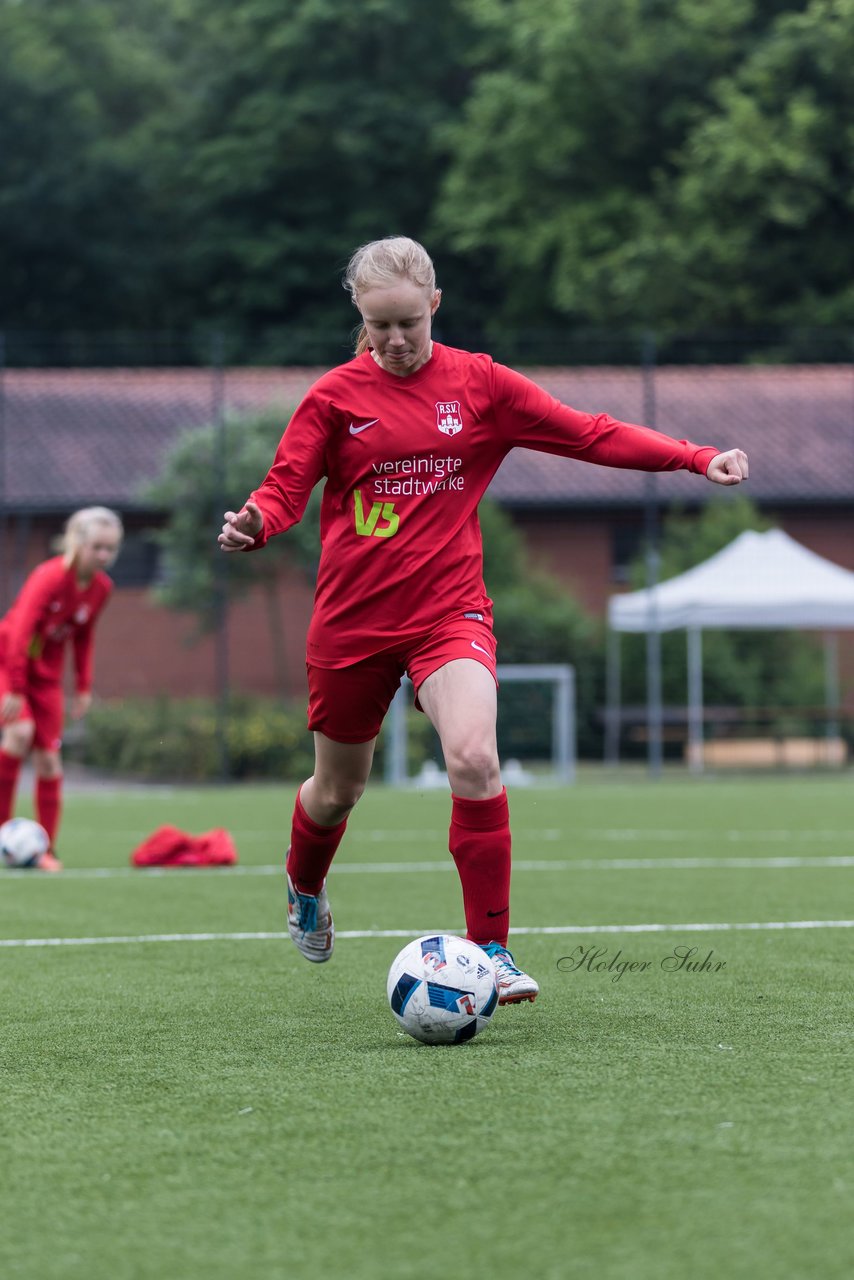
51,609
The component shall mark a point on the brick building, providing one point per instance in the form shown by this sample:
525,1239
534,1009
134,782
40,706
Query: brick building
75,437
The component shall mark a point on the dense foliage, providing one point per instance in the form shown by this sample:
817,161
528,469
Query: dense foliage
674,163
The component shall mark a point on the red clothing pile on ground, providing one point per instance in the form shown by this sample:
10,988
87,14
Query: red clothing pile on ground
171,847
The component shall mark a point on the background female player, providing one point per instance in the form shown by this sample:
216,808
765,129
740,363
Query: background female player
60,601
408,435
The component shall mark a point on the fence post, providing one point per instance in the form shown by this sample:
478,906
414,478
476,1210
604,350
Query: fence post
654,712
220,601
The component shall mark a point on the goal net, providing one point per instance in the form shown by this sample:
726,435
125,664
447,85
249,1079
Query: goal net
552,688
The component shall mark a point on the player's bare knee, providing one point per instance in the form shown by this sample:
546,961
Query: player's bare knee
338,796
474,770
47,764
17,739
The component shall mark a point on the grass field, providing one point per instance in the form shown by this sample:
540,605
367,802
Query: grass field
184,1097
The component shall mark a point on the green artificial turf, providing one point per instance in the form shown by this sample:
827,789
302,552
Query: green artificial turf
218,1108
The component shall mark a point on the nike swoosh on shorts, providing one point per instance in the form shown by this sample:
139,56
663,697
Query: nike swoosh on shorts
354,431
475,645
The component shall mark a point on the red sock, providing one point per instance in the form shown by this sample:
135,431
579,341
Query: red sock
312,849
49,804
479,842
10,768
9,773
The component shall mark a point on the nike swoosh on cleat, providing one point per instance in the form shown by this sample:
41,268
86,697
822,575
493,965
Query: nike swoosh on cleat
354,431
502,912
475,645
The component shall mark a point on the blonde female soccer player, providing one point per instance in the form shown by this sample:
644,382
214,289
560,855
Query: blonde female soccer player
409,434
58,604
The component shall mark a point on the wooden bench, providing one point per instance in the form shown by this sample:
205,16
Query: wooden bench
772,753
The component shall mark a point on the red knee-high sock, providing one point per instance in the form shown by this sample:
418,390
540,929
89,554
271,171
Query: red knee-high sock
49,804
479,842
312,849
10,768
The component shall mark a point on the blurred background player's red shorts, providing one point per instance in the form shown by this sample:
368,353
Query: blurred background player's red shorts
45,705
349,704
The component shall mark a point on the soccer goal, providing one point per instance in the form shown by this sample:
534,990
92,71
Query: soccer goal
559,676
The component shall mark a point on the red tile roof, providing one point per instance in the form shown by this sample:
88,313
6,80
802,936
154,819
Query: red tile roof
75,436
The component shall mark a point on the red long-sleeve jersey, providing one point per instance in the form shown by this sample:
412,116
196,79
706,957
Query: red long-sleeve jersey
50,610
406,462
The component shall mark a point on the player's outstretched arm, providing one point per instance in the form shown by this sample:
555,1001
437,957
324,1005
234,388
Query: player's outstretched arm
728,468
241,528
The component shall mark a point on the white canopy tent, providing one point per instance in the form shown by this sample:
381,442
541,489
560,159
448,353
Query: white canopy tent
760,580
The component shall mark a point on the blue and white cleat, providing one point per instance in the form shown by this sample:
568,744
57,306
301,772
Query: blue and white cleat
514,986
310,923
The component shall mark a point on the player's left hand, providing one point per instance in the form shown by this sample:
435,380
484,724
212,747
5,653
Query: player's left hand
80,704
728,468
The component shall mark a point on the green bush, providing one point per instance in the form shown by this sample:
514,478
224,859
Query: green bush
178,739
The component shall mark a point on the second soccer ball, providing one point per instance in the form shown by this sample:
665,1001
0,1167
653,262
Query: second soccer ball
22,842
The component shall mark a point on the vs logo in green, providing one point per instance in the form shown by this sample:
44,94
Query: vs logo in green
368,526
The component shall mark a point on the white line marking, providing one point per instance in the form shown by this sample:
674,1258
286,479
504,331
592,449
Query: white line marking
696,927
579,834
409,868
390,835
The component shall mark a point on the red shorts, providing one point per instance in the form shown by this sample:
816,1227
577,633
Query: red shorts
349,704
45,705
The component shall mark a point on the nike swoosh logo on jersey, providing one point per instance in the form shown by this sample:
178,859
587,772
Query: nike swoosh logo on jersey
354,431
475,645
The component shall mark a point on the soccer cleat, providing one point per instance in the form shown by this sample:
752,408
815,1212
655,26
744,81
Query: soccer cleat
310,923
513,985
48,861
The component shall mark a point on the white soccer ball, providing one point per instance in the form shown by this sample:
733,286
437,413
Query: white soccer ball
22,842
442,989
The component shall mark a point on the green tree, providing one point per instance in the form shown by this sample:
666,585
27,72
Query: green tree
195,487
82,235
173,163
755,226
311,129
642,162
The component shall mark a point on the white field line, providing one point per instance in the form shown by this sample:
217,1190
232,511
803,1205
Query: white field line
550,835
561,929
410,868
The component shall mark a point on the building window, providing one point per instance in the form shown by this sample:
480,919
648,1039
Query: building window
626,547
138,561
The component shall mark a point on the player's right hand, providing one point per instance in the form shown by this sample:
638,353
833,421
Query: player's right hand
241,528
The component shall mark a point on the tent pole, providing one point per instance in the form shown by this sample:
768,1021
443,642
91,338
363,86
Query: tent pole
831,683
612,699
695,700
654,710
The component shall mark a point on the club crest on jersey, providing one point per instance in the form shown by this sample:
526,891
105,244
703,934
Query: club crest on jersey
449,419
